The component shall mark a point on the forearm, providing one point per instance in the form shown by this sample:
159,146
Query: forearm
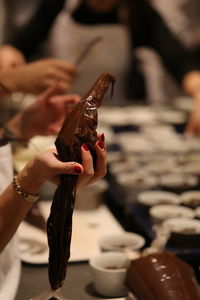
14,207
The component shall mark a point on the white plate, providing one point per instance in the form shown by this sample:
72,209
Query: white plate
33,244
88,227
164,211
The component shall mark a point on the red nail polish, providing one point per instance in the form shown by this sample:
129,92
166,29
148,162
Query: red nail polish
77,169
101,144
85,147
103,137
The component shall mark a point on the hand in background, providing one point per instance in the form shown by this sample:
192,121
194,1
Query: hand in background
37,76
45,116
193,126
10,57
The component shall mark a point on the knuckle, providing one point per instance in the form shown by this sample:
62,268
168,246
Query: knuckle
89,173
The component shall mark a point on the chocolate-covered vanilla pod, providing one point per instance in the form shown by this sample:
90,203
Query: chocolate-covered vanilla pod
78,128
162,276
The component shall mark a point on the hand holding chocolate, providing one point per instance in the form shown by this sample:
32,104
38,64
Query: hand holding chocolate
78,128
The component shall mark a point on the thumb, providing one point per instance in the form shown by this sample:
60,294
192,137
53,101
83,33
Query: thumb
73,168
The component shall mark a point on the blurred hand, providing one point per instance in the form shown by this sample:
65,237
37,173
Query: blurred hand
10,57
45,116
193,126
37,76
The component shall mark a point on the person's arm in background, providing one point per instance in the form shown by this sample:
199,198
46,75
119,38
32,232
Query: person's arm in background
44,116
36,30
35,77
152,32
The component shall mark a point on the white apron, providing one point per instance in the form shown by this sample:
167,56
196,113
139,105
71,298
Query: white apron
10,266
112,54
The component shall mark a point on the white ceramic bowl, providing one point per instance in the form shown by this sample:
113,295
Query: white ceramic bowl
183,225
160,167
191,198
91,196
109,272
136,181
171,116
192,168
178,181
121,242
151,198
123,166
197,212
162,212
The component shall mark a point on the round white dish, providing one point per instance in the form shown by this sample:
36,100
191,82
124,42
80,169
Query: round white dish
121,242
162,212
151,198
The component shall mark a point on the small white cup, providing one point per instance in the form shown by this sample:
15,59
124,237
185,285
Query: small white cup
109,272
121,242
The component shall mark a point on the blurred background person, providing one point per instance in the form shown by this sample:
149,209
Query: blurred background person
182,18
123,25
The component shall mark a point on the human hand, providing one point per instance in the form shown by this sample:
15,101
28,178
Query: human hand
10,57
90,175
37,76
43,117
46,166
193,125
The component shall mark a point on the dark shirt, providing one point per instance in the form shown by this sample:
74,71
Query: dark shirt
149,31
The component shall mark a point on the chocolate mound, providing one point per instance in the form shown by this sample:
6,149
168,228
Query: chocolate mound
162,276
78,128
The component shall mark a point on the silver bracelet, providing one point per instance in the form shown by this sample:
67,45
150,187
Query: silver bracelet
28,197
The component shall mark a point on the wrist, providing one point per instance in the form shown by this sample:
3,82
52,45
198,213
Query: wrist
29,183
24,194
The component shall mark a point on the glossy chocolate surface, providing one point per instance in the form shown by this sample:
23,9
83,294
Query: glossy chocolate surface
162,276
78,128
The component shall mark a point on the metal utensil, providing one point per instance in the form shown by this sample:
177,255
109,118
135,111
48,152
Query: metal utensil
87,49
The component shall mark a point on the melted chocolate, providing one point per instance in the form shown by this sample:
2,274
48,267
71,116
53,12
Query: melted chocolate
162,276
78,128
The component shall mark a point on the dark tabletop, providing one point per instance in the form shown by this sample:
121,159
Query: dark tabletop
78,283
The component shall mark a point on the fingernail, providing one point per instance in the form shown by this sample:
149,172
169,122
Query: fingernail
103,137
101,144
77,169
85,147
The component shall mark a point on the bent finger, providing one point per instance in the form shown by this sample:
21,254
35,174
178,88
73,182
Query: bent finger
87,163
101,164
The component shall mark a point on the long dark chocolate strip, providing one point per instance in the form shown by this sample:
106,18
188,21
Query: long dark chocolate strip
78,128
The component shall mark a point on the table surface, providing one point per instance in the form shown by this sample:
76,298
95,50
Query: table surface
78,283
